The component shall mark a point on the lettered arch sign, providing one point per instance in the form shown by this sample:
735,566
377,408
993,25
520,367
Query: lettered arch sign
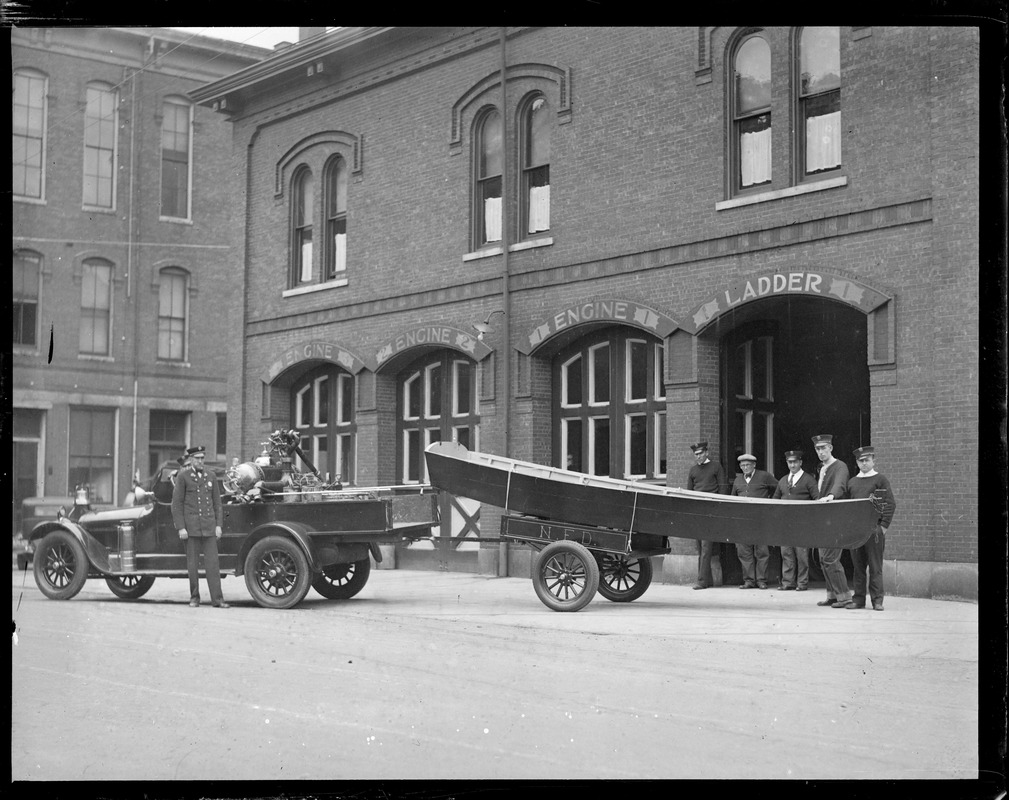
313,350
808,283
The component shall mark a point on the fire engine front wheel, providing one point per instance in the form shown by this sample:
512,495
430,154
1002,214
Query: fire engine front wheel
61,565
130,587
565,576
343,581
277,573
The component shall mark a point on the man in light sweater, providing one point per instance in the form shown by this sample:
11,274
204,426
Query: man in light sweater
869,483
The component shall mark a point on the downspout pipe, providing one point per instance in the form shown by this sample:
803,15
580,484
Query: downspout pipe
505,281
129,273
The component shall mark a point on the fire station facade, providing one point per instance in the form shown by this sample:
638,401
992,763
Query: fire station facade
591,248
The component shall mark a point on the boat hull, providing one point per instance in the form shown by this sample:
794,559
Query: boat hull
537,491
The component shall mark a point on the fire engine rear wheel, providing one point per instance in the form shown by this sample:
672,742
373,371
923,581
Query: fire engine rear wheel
277,573
565,576
61,565
342,581
130,587
623,579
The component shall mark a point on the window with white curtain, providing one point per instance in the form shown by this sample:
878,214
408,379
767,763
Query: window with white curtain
819,98
751,112
302,212
535,147
335,254
489,171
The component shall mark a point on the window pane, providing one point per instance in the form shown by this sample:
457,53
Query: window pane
573,382
346,399
412,391
600,374
659,378
304,409
740,365
600,446
538,131
346,464
412,455
463,372
762,371
638,367
306,199
637,443
434,391
753,75
573,459
490,145
322,402
660,444
461,435
820,59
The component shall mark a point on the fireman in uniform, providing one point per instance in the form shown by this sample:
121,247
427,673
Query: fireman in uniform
197,514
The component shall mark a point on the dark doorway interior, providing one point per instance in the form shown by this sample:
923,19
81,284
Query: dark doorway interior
817,382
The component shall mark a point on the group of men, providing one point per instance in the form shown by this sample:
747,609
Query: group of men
832,482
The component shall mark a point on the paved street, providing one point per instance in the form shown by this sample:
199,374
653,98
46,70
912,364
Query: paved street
447,675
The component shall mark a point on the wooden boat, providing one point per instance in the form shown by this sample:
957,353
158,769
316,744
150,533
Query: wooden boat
556,494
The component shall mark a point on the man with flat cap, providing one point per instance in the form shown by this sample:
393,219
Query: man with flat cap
753,482
705,476
197,514
869,483
831,485
796,485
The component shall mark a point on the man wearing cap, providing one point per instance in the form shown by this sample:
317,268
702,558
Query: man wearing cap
869,483
796,485
705,476
197,514
753,482
831,485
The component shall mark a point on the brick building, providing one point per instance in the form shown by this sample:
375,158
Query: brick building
121,216
748,236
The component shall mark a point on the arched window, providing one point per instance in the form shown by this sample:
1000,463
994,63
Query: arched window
27,268
100,126
96,307
819,100
173,308
335,254
322,403
176,157
438,401
609,405
750,98
302,212
535,149
29,133
489,169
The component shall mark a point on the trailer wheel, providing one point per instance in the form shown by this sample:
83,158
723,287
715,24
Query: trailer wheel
60,565
342,581
277,573
565,576
623,579
130,587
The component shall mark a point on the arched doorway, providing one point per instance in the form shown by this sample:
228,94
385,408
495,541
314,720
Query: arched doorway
792,368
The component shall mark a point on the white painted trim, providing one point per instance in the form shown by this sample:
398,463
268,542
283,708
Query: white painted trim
490,251
791,191
315,287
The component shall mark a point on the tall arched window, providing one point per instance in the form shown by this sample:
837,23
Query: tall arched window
100,125
302,212
27,267
173,308
29,133
751,112
489,169
535,148
323,407
819,99
609,405
335,254
96,307
438,401
176,157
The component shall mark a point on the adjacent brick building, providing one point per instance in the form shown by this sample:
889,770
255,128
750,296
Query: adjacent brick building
123,204
747,236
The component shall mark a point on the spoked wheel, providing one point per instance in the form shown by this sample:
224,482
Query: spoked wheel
342,581
129,587
565,576
277,573
60,565
622,579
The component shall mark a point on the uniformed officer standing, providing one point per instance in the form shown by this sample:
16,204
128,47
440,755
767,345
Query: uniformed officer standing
796,485
197,514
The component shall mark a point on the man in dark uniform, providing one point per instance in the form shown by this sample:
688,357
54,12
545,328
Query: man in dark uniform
197,514
705,476
869,483
796,485
753,482
831,485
